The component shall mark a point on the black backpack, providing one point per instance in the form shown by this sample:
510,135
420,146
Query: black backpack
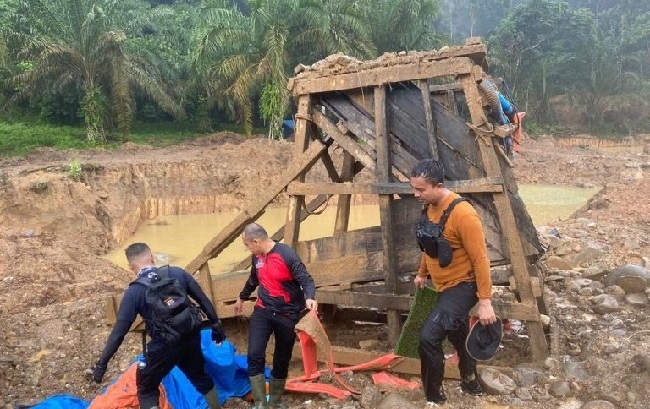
429,235
173,314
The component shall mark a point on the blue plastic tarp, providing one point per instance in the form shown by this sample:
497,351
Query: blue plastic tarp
62,402
228,370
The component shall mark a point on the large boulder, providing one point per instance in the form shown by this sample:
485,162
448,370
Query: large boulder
631,278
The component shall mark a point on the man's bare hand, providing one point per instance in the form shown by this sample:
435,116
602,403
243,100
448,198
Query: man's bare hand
485,312
311,304
420,282
239,306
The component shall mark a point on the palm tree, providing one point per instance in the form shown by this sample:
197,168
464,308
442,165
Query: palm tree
244,53
247,51
77,43
401,25
326,27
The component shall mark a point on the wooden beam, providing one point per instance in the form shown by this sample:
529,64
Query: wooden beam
456,86
330,168
383,171
480,185
365,300
451,102
507,310
301,141
205,281
382,75
428,115
234,228
510,233
347,143
343,206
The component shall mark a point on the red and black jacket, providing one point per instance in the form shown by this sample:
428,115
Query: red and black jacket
281,279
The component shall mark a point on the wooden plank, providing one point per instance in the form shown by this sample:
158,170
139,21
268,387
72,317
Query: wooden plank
343,356
510,233
451,102
410,132
227,309
344,141
234,228
111,307
205,281
366,300
386,208
226,287
431,126
456,86
343,206
361,124
330,168
302,137
480,185
357,299
513,310
382,75
445,88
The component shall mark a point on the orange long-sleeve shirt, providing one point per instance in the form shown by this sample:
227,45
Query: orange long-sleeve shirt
464,232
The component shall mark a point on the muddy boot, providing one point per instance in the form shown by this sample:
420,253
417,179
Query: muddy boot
212,397
258,388
276,392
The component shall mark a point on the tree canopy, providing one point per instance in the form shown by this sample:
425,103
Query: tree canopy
104,64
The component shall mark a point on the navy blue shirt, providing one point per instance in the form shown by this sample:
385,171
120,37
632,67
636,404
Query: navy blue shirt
134,304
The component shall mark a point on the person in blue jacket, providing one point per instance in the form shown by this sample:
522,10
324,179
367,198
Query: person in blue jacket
284,290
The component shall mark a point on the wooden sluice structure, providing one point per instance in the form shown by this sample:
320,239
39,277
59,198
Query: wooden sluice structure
387,114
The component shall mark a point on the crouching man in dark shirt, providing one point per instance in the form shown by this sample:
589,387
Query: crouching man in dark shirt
161,355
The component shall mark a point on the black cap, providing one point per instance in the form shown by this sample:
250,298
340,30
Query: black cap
484,340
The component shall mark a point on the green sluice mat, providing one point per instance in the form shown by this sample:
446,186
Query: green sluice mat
407,344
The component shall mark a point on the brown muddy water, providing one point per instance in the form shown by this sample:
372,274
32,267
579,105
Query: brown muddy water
178,239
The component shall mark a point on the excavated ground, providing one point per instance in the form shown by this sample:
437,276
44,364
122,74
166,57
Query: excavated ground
56,228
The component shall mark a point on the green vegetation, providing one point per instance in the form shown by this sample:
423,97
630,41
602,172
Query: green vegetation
75,172
89,72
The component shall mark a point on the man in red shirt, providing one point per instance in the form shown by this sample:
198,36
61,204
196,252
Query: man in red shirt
284,289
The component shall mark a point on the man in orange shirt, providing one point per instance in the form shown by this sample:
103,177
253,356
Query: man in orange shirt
462,280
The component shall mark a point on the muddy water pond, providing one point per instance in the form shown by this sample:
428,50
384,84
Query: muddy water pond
178,239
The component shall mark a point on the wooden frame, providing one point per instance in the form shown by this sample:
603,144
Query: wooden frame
385,120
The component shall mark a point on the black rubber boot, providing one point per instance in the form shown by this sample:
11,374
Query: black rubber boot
258,388
470,384
276,392
212,397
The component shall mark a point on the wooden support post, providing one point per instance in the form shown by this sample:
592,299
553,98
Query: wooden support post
302,136
509,231
386,208
205,280
451,100
428,115
343,207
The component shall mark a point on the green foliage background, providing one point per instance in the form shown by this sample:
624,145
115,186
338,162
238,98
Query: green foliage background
82,72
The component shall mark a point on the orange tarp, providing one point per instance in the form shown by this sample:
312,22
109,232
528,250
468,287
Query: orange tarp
123,394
